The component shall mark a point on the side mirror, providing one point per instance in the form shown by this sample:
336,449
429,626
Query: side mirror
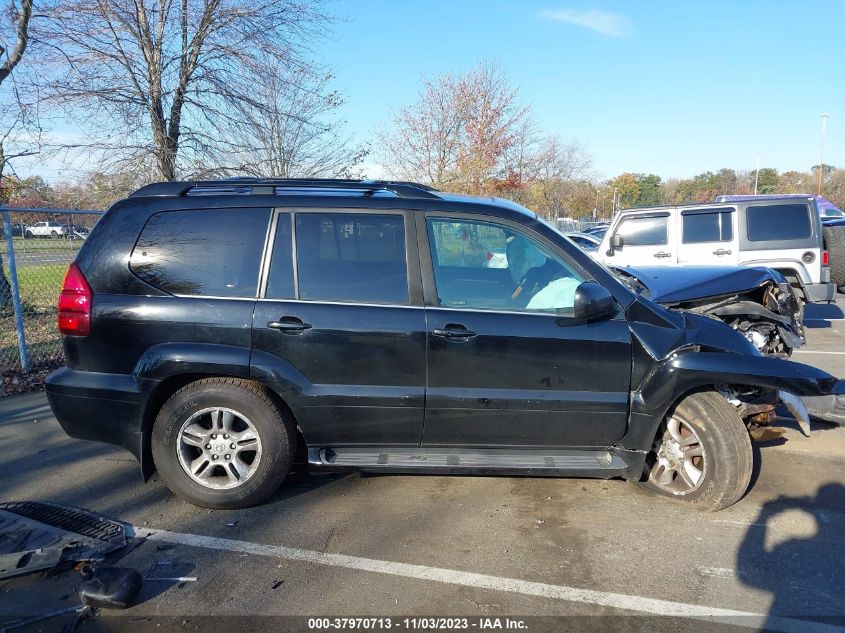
616,241
593,302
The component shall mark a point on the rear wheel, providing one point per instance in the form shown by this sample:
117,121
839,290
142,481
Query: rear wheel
702,454
29,235
54,235
223,443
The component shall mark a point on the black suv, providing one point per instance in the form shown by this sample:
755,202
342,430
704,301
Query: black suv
221,330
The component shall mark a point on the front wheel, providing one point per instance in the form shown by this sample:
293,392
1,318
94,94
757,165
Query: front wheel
702,454
223,443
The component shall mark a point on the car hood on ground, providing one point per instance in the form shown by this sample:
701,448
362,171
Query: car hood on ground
674,284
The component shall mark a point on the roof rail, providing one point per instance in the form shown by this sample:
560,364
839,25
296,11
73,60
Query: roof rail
267,186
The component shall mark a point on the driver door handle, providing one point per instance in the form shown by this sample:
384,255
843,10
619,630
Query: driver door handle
289,324
454,331
662,254
721,252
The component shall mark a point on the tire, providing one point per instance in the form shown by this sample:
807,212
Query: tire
840,290
28,235
834,239
726,459
54,235
254,415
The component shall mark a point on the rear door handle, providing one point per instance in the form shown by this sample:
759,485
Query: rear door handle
454,331
289,324
721,252
662,254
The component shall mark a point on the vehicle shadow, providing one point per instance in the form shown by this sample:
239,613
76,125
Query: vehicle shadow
804,572
821,312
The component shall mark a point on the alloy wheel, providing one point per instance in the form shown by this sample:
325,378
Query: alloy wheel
219,448
681,463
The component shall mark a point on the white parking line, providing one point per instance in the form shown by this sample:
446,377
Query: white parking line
651,606
809,351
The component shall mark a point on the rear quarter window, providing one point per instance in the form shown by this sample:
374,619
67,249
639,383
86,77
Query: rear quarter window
206,252
778,222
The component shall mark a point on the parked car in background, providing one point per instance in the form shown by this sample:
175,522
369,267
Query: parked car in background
597,231
17,230
354,325
784,235
76,232
50,229
758,303
589,243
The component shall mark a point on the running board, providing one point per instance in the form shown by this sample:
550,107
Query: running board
405,459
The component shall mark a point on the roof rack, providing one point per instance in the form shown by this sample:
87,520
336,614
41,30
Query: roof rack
268,186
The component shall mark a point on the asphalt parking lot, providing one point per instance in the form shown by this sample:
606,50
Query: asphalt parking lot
396,546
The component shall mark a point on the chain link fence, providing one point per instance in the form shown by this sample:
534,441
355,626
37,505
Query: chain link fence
36,247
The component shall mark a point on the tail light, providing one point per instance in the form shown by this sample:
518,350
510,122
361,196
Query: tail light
825,258
489,256
75,303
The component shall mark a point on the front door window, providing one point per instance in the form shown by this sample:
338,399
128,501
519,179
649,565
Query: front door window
486,266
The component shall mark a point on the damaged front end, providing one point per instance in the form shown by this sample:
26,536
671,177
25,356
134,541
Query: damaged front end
677,352
758,303
770,316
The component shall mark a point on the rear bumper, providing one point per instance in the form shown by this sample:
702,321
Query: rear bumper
820,292
100,407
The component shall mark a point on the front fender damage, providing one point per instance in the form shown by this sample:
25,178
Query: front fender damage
670,362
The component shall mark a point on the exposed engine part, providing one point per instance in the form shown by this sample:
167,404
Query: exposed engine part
773,323
767,313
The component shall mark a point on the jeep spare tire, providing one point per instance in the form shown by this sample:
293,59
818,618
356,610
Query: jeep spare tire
834,240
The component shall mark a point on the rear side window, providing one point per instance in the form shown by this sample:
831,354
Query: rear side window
207,252
713,225
778,222
644,230
356,257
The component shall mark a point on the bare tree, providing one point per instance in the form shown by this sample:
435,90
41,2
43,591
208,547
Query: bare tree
20,18
557,171
493,121
159,78
425,139
292,132
458,133
15,116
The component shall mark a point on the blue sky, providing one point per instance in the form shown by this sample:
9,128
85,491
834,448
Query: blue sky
670,87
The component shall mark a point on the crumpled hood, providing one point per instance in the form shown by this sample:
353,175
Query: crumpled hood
674,284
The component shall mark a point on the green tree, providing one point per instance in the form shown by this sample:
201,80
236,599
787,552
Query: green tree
627,187
651,192
767,180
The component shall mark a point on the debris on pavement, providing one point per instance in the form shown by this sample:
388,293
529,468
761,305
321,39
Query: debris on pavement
36,536
109,587
80,609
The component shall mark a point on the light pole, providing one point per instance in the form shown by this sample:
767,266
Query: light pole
757,174
821,151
